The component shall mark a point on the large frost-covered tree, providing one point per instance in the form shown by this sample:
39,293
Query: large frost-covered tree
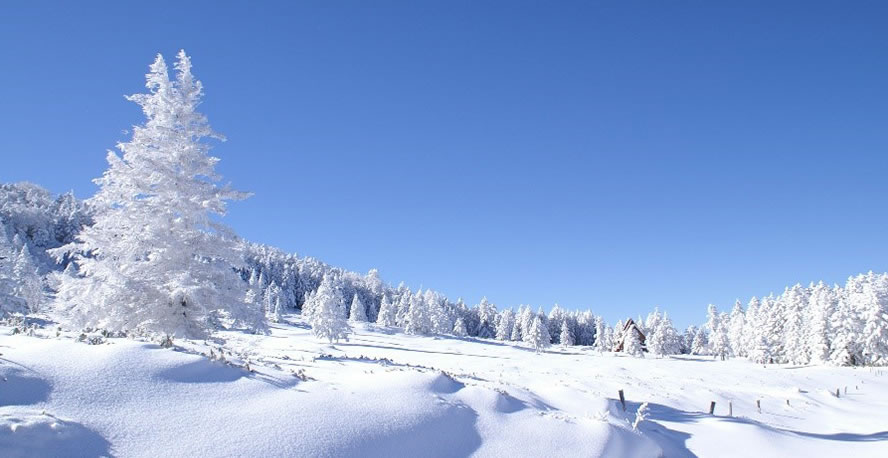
874,314
327,317
9,300
566,337
156,258
418,320
387,315
505,325
822,305
357,313
632,343
736,324
487,319
459,328
537,334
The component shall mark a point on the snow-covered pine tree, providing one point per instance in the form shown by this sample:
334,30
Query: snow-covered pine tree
327,317
524,321
538,335
671,338
505,325
28,283
821,306
518,326
441,321
566,337
848,324
719,345
750,326
736,324
9,301
487,316
403,308
617,335
608,340
377,288
700,344
556,317
417,321
795,302
155,259
277,314
357,312
601,343
268,298
586,331
761,350
459,327
874,313
632,344
271,301
772,328
387,315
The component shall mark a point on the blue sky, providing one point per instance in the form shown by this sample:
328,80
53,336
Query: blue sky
605,155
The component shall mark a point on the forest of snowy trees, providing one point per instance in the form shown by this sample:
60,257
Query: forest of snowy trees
147,255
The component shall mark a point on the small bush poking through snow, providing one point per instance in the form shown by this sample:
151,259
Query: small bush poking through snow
640,415
166,341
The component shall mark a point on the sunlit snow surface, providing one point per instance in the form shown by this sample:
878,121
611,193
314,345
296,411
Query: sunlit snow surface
384,393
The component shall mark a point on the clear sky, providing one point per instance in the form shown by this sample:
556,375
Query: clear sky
605,155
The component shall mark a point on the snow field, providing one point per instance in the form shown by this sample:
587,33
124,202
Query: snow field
384,393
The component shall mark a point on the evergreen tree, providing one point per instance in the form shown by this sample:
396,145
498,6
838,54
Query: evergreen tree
719,344
9,300
518,325
874,314
566,337
795,302
601,341
586,331
387,315
327,318
556,319
751,327
505,325
442,322
29,285
632,343
821,306
277,314
459,328
357,313
736,325
417,320
487,319
538,335
700,343
154,258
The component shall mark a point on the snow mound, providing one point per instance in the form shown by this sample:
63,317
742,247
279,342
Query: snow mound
35,434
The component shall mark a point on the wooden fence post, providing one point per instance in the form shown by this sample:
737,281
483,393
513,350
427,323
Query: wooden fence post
730,408
712,408
837,392
758,405
622,400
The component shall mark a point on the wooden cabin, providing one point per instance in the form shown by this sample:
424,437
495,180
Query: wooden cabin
630,326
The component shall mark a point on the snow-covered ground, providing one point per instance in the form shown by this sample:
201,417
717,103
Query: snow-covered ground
388,394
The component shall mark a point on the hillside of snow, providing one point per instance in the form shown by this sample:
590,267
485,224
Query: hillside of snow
384,393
